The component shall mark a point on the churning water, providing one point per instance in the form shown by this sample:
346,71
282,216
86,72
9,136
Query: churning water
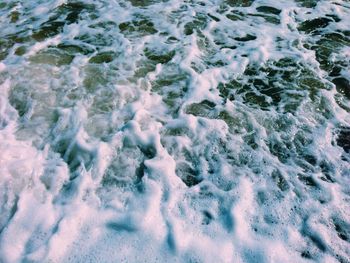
174,131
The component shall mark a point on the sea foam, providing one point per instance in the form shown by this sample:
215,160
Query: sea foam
174,131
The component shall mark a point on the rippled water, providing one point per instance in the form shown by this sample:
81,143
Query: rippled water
174,131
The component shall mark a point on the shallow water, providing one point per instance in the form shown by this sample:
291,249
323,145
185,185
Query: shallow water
178,131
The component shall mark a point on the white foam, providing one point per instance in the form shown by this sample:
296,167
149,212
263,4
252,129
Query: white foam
145,158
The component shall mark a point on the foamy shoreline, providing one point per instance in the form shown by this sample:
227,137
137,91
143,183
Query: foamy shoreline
174,131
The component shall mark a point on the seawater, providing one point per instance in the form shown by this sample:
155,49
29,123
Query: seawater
174,131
